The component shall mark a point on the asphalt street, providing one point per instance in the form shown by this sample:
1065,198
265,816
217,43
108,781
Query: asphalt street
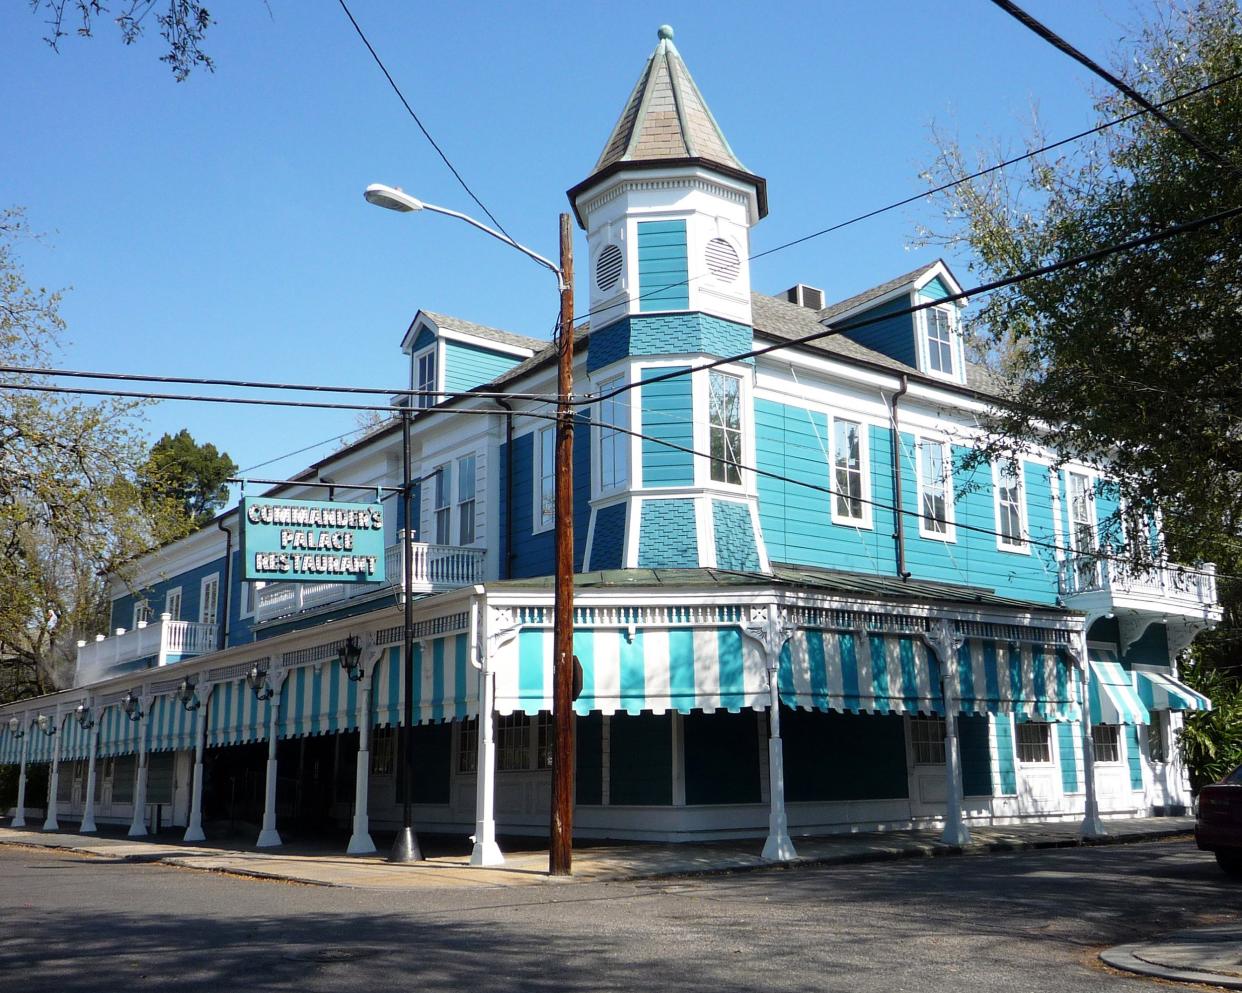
1030,921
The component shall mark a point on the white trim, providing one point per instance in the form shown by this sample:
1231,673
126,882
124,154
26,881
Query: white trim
703,429
1023,545
537,524
204,583
480,342
957,356
867,520
168,595
621,440
1050,763
950,515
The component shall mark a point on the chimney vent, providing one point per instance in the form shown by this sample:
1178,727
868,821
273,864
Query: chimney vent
805,296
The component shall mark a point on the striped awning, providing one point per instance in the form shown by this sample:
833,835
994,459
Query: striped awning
317,702
860,673
1112,697
623,670
170,727
1032,681
10,745
445,684
118,735
1160,691
235,716
75,740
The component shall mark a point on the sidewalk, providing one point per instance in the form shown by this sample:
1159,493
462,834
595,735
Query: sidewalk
593,862
1211,956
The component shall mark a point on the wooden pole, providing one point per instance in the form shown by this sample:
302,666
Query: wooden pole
560,851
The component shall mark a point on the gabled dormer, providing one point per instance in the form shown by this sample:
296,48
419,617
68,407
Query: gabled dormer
929,340
448,354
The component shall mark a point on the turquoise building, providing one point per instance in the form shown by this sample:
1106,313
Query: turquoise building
797,610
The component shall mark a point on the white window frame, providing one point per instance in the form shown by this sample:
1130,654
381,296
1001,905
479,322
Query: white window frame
250,597
442,504
1018,744
935,741
543,516
173,595
1013,470
1119,742
865,518
432,352
950,521
142,613
740,454
465,501
1083,558
956,351
1163,729
207,582
612,411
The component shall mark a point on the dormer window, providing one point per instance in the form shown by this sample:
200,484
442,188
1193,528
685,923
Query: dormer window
425,376
940,341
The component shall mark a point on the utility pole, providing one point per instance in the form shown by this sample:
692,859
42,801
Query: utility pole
560,850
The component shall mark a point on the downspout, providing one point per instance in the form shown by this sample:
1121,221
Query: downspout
899,527
222,640
506,560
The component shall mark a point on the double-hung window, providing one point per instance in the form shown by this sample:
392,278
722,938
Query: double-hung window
1107,741
1082,529
545,512
939,340
443,510
725,427
142,613
934,496
848,479
1010,507
425,365
209,599
465,500
927,740
1034,742
172,603
614,449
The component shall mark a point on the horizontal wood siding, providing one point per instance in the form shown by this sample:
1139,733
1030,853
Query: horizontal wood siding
466,366
893,335
667,413
662,266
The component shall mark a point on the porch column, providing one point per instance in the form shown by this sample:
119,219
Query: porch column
19,815
945,643
486,851
269,837
50,823
194,829
768,630
88,802
138,823
360,842
1092,826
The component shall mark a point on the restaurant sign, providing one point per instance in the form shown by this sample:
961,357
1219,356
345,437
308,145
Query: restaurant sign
305,541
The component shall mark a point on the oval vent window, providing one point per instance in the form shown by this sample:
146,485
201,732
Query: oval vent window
722,260
608,267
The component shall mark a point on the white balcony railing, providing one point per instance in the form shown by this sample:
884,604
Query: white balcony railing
163,641
434,568
1161,582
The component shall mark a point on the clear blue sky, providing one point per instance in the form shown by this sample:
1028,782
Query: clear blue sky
216,227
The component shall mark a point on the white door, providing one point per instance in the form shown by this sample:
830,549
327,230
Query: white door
926,765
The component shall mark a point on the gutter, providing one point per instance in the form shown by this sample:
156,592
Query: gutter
506,558
899,527
222,640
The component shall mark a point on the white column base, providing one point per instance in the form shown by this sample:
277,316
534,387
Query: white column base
486,853
361,844
88,824
779,846
194,833
955,833
19,821
1092,826
51,824
194,829
269,838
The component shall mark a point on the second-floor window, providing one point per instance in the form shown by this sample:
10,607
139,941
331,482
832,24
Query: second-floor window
546,466
172,603
614,448
142,613
465,500
1082,527
209,600
939,340
1009,506
934,495
442,508
847,475
425,366
725,426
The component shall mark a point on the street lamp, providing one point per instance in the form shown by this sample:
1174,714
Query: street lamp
46,725
83,715
560,854
256,679
351,659
16,729
130,704
187,695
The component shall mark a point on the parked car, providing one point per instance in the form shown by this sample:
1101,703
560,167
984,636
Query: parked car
1218,828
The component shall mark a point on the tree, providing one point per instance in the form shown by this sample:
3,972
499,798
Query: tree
1134,362
189,474
182,24
71,512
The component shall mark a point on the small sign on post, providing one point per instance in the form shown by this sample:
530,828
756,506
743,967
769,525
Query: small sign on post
307,541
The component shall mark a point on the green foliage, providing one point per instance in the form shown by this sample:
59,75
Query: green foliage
1211,741
190,475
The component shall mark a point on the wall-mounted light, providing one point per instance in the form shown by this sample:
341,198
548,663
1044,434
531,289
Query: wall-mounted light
82,714
16,729
351,659
256,679
187,694
46,724
132,706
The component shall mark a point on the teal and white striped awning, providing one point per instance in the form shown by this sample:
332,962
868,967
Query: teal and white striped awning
1160,691
10,744
235,716
446,686
118,735
1111,695
41,745
170,727
1032,681
624,670
75,740
317,700
860,673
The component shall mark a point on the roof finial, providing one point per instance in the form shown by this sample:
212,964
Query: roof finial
666,32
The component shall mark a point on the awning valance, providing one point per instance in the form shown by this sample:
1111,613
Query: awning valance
624,670
860,673
170,727
317,699
1112,697
10,745
446,685
1160,691
1032,681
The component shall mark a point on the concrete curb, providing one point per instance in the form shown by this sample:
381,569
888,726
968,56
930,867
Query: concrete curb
1127,958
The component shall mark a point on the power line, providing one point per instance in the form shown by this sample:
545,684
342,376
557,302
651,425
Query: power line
1059,43
426,134
996,284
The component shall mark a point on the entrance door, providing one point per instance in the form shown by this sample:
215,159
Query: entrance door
107,774
925,761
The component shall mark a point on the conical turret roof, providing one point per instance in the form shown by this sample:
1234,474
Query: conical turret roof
666,121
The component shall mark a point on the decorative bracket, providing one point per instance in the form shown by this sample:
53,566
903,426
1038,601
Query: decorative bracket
769,628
